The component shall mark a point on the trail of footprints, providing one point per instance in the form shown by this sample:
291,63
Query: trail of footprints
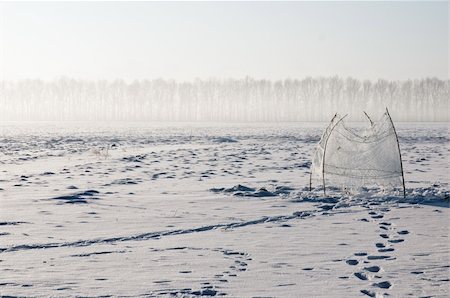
369,267
212,287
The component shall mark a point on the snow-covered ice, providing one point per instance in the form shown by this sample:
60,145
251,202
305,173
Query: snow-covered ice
184,210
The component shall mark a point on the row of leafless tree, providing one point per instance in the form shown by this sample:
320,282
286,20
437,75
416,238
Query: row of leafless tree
309,99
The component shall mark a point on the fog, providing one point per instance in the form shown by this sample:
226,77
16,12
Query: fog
219,100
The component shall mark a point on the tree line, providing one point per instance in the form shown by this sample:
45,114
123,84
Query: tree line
234,100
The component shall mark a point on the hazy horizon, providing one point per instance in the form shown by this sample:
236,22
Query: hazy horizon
223,61
235,100
211,78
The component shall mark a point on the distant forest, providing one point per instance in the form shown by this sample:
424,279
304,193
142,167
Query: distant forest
240,100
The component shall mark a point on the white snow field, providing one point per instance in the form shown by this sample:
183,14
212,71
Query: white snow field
186,210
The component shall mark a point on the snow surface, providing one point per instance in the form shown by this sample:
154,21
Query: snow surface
190,210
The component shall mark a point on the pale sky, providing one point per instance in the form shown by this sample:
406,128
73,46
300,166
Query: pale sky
188,40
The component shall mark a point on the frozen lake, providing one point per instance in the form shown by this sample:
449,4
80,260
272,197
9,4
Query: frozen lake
183,209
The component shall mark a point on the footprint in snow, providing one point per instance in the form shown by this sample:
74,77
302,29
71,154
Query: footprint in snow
368,293
383,285
380,245
377,257
373,269
352,262
360,254
361,275
396,240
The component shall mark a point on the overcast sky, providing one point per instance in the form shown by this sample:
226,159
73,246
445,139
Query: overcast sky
184,41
